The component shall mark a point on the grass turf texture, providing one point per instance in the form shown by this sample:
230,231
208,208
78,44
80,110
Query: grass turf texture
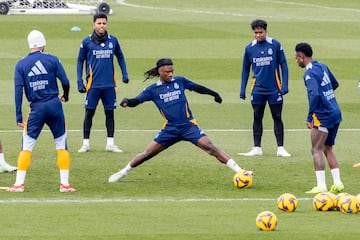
184,193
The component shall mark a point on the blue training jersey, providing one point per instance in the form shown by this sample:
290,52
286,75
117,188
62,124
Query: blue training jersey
265,59
320,84
37,75
99,61
170,99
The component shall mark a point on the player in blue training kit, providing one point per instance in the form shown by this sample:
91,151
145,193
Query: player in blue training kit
265,56
98,51
36,75
168,94
323,118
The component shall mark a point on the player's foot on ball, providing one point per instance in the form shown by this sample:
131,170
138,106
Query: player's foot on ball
15,188
117,176
316,190
248,171
255,151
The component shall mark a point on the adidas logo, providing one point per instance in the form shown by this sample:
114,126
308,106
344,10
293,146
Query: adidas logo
37,69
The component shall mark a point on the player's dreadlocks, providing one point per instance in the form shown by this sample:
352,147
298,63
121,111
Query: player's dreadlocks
154,72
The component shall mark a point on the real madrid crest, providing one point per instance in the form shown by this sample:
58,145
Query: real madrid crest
270,51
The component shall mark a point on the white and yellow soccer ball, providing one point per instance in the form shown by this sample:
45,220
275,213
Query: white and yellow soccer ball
243,179
349,204
266,221
287,202
323,202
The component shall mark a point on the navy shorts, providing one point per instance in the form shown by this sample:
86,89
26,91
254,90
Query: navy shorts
48,112
332,132
270,98
107,96
172,134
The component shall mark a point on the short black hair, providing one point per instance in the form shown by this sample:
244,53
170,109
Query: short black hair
99,15
258,23
305,48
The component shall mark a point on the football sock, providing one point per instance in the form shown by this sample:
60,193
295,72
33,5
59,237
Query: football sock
24,159
86,142
64,177
126,169
335,175
63,158
20,177
320,177
233,165
2,159
109,141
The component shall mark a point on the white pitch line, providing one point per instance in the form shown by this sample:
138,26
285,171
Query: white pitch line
206,130
134,200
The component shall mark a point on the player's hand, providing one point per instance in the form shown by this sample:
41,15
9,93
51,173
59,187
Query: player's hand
125,80
217,98
21,124
64,98
309,125
124,103
283,92
81,87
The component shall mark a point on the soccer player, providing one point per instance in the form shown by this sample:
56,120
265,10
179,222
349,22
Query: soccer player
323,118
98,51
265,56
36,75
168,94
4,166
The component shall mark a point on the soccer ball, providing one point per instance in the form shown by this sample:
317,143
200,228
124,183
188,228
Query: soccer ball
287,202
266,221
358,197
337,199
349,204
323,202
333,198
243,179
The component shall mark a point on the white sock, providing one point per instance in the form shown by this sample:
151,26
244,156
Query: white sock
2,159
86,142
109,141
64,177
335,175
320,177
233,165
20,177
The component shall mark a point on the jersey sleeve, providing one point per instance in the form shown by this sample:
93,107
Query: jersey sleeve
80,61
19,85
244,74
313,93
121,59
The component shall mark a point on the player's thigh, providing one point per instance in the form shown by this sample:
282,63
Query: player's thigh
92,98
330,141
108,98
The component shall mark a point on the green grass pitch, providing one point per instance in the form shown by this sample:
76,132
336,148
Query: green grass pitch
183,193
